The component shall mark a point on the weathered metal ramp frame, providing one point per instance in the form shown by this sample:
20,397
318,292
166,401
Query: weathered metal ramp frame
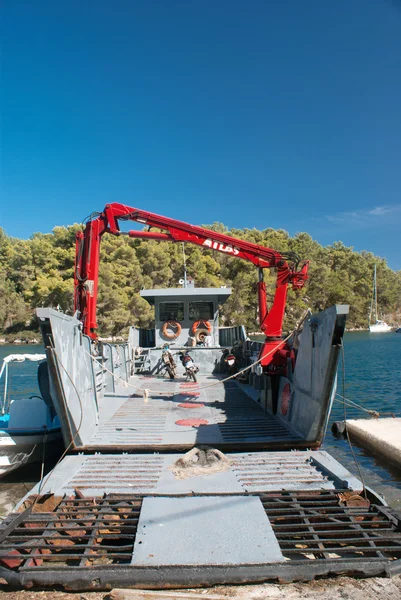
246,473
317,534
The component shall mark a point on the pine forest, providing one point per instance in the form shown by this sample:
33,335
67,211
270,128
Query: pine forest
39,272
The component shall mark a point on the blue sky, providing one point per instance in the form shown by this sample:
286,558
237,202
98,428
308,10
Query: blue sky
254,113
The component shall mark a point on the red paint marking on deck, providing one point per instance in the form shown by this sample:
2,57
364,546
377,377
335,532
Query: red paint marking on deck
190,405
192,422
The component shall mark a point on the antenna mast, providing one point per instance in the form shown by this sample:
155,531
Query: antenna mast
185,265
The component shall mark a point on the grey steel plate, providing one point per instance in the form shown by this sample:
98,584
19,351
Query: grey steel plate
229,415
173,531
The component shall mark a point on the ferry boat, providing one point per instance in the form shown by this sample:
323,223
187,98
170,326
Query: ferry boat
171,483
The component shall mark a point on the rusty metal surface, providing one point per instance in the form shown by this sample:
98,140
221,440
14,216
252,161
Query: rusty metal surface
117,473
332,525
251,472
90,543
77,533
274,471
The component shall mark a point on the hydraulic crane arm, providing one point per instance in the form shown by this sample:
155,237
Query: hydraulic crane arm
87,261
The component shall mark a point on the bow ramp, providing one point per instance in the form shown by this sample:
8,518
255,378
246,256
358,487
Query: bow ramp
163,521
197,484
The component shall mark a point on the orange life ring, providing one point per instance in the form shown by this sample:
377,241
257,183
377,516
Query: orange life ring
205,324
169,324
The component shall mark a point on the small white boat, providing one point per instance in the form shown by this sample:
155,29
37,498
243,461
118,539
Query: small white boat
26,424
378,326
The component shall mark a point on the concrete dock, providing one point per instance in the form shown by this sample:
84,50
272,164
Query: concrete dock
381,436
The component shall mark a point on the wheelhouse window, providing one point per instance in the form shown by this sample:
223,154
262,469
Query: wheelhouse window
171,311
201,310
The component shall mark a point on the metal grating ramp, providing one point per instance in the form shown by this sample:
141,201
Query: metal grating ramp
94,543
333,525
109,474
262,471
156,474
76,533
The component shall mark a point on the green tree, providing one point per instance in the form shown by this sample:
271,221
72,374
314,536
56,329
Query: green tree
40,272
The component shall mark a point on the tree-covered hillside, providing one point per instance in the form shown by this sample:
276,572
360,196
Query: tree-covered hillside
39,272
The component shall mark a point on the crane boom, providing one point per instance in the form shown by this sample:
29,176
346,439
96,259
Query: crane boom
289,271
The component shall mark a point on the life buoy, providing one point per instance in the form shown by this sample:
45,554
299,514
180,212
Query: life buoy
169,325
205,325
201,334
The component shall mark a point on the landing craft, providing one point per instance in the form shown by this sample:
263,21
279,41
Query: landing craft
171,483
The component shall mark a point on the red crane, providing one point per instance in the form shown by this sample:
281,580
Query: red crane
287,265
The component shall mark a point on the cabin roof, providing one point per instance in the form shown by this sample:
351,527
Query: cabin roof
220,293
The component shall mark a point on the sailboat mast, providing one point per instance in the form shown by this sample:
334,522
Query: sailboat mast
371,302
377,316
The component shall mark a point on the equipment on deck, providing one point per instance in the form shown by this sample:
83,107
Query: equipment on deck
190,367
168,361
290,270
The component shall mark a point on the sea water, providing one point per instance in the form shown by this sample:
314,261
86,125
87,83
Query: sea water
372,380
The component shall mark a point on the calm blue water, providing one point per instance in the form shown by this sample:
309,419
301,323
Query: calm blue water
372,371
373,379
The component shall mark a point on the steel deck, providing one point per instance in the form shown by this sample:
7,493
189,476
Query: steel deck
227,416
194,484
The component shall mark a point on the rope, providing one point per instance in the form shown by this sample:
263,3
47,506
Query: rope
42,469
353,404
345,421
147,392
42,481
374,413
209,385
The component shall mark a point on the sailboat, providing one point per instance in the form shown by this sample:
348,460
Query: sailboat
378,326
